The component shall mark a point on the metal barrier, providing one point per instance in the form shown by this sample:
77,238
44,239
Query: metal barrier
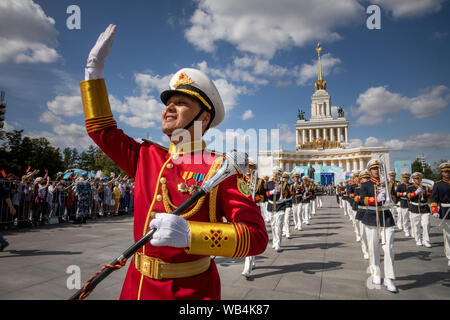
31,210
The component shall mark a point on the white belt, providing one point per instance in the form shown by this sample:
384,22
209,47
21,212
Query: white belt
278,202
416,204
445,205
373,208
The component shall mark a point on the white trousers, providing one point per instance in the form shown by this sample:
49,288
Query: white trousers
264,213
286,224
305,212
319,201
355,223
249,263
403,219
276,222
363,235
418,220
313,206
345,206
340,203
374,245
446,233
297,215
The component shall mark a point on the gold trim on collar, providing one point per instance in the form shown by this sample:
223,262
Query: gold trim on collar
188,147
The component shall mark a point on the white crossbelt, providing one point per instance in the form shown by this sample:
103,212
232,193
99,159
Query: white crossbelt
445,205
416,204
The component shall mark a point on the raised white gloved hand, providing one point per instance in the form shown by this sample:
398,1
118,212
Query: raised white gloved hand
98,54
171,230
436,215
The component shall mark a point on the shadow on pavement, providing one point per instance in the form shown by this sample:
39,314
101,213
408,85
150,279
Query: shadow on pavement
307,267
322,246
422,255
27,253
425,279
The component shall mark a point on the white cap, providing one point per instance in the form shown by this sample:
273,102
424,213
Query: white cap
197,84
417,175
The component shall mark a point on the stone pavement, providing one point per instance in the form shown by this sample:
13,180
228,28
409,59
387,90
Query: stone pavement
321,262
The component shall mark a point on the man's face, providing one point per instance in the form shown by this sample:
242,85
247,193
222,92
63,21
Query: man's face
405,180
417,180
375,173
446,174
392,178
180,110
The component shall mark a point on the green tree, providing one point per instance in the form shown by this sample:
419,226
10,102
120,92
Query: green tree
426,170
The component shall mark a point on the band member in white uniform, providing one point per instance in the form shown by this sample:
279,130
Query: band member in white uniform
287,189
297,201
419,211
275,207
403,204
440,205
378,219
256,186
306,198
363,177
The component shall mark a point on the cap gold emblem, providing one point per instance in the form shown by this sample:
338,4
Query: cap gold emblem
183,79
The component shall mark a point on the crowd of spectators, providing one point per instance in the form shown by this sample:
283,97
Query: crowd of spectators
39,200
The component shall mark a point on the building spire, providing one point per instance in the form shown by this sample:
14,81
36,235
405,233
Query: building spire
320,84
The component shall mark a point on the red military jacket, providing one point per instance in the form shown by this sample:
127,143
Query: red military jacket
162,177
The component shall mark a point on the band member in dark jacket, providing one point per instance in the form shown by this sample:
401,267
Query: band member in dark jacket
378,219
275,207
419,211
363,177
403,204
440,204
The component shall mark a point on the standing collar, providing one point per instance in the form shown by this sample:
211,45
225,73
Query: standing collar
188,147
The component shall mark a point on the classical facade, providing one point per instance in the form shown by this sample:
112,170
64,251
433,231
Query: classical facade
321,142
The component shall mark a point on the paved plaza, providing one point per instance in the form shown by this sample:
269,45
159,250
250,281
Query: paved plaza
321,262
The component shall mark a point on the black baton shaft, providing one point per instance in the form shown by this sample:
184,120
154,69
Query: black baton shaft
136,246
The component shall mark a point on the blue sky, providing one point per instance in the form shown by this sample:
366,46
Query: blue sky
393,82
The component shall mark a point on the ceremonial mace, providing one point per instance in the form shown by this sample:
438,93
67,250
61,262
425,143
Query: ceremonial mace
234,163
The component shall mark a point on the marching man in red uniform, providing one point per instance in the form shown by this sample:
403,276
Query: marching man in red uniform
177,263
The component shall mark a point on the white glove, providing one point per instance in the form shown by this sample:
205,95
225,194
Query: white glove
98,54
436,215
381,197
275,191
171,230
419,191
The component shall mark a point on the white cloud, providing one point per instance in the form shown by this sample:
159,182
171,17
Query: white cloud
66,105
309,72
229,93
148,82
433,141
49,117
376,103
27,34
64,135
137,122
286,134
410,8
264,26
248,114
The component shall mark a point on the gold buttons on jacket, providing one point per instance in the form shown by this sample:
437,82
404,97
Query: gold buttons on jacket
163,180
169,165
158,197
